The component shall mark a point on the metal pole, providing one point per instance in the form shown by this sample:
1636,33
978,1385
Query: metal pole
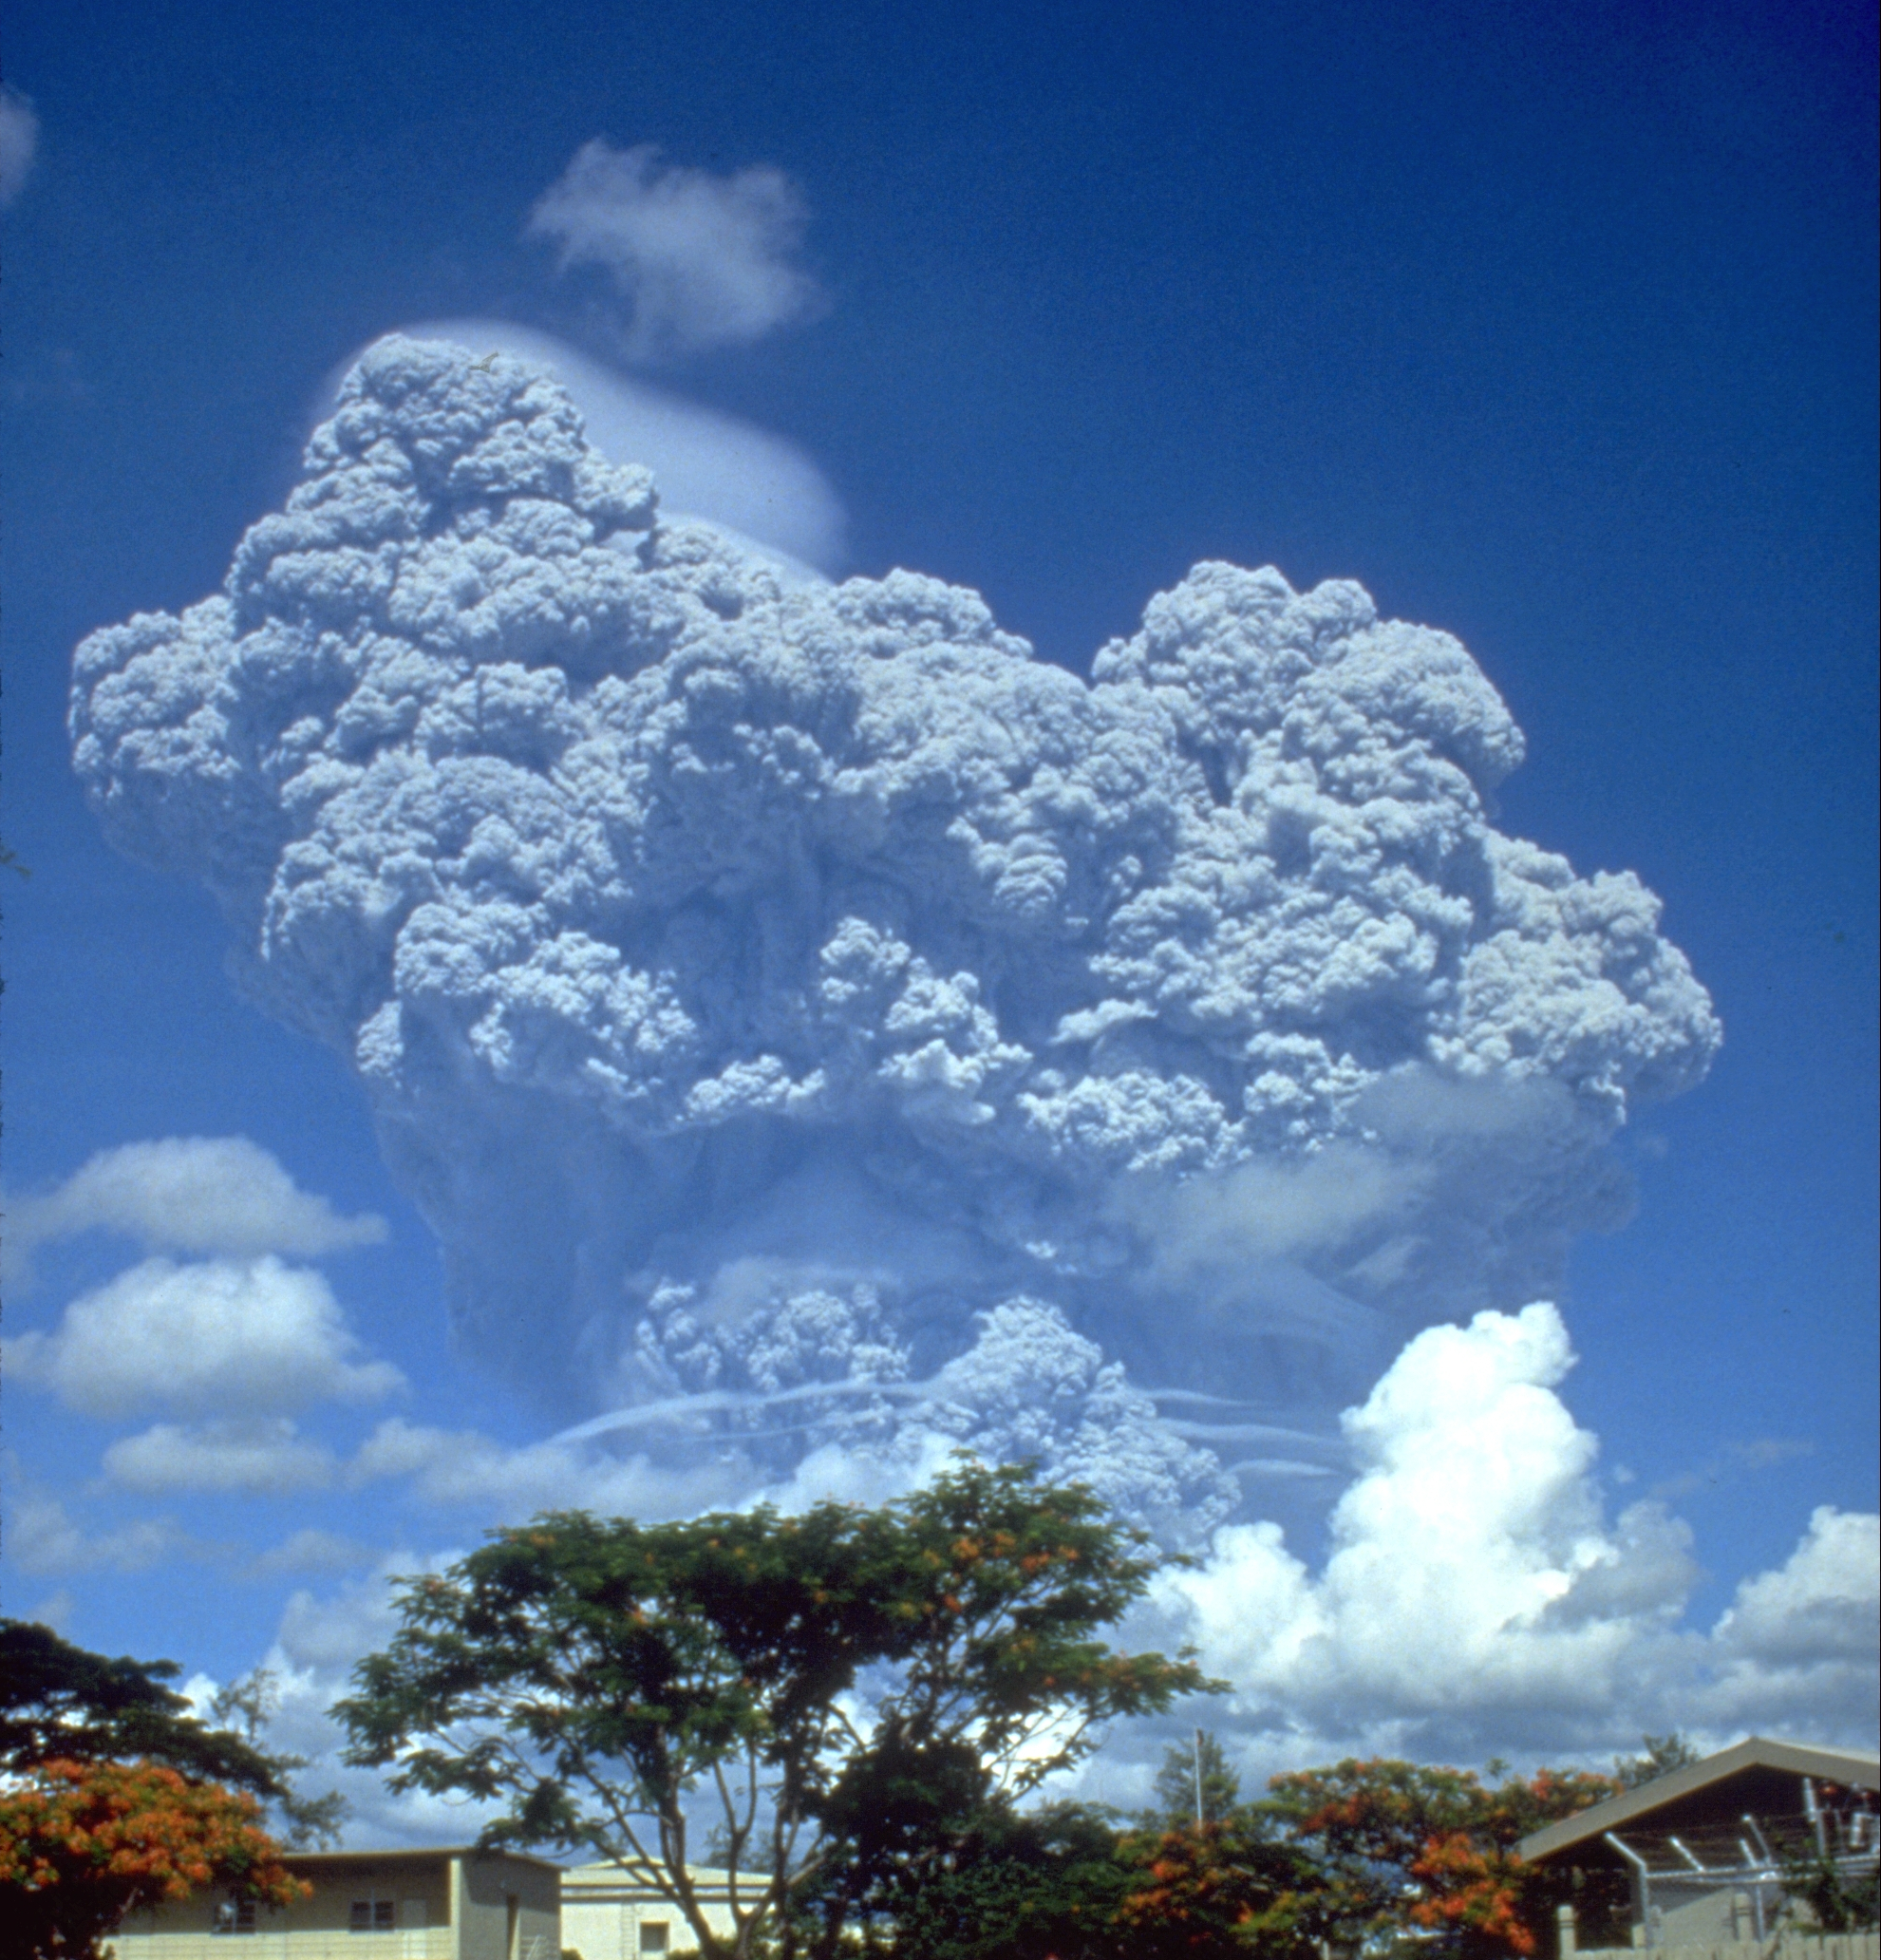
1642,1883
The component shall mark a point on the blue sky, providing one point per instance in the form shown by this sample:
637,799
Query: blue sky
1554,329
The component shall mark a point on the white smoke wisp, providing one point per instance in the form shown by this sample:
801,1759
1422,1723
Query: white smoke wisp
761,987
19,142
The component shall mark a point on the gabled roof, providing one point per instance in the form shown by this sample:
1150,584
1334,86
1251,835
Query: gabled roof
1853,1769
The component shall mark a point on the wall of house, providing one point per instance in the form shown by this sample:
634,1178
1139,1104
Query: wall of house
1791,1946
508,1910
445,1908
608,1915
315,1928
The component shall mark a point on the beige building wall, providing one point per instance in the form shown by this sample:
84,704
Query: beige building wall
510,1909
610,1914
424,1905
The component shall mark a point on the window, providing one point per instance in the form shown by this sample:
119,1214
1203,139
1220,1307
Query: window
373,1916
652,1935
236,1916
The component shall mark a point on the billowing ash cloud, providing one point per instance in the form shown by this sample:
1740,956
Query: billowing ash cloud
758,486
777,999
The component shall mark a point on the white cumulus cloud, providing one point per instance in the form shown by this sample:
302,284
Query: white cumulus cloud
1806,1633
217,1194
311,1549
1477,1598
699,261
230,1338
321,1636
19,140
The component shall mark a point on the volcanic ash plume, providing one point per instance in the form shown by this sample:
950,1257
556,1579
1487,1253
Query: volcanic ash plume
805,1014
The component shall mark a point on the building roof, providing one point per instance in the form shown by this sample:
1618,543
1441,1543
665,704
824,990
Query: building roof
609,1880
1853,1769
412,1851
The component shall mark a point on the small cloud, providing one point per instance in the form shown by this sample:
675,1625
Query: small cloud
19,140
54,1611
42,1536
1758,1453
224,1196
701,260
311,1551
1762,1451
253,1336
326,1636
259,1456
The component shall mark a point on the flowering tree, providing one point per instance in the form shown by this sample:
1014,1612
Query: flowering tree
1222,1886
81,1844
1409,1844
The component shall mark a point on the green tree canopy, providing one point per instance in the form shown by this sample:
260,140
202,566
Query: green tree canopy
837,1686
1178,1788
1006,1884
60,1702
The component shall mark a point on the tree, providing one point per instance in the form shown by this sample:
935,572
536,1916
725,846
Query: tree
1404,1845
249,1704
1177,1784
841,1686
1009,1885
58,1702
1829,1879
81,1844
1223,1886
1660,1755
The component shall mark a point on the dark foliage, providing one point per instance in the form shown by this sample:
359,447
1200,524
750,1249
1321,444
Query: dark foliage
58,1702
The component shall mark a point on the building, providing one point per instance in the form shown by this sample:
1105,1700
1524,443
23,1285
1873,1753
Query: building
1702,1849
370,1905
610,1914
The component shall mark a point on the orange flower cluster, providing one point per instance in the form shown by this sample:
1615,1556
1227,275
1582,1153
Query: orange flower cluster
81,1844
1469,1885
1187,1880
